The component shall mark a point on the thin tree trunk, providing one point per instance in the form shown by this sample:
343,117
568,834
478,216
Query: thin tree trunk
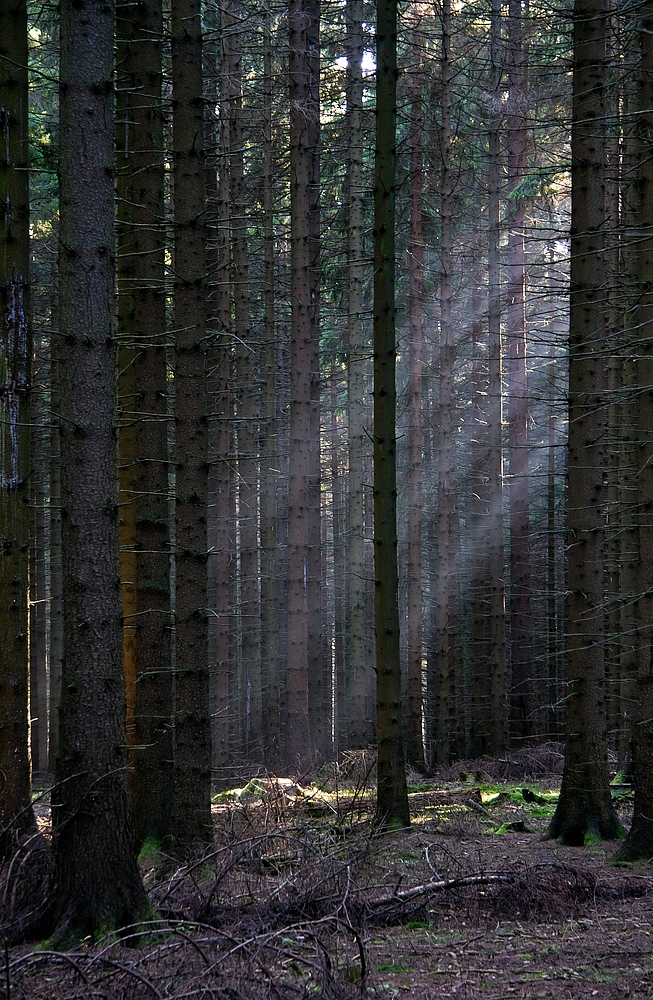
392,798
304,376
358,686
445,658
414,737
498,669
38,591
269,474
16,815
247,398
318,679
523,681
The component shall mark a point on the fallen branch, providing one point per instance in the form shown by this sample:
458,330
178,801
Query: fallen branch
463,881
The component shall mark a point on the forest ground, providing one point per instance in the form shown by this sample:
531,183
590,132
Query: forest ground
300,898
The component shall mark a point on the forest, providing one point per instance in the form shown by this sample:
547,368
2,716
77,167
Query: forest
326,480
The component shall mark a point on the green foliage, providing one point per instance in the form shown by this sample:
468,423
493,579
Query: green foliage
152,850
398,966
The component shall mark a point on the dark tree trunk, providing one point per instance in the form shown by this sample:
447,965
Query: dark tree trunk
15,361
585,806
639,843
96,880
191,807
392,798
143,433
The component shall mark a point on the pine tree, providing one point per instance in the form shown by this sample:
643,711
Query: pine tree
96,883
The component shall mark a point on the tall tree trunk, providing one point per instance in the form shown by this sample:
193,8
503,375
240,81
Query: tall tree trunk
585,806
318,677
358,686
247,394
392,797
96,880
639,843
16,815
523,681
143,432
191,810
38,590
56,565
304,385
269,444
414,737
498,669
481,727
223,698
445,658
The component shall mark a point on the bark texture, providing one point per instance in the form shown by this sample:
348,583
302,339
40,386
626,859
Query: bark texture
97,885
15,361
585,806
191,812
392,797
143,432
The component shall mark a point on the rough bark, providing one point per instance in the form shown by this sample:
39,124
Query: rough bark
522,696
358,686
269,476
585,806
392,798
639,843
143,434
191,809
498,666
247,400
15,376
304,378
445,647
97,885
414,738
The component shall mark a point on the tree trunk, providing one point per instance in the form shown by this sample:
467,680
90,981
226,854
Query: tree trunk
359,673
16,815
446,534
319,685
522,668
304,378
392,798
414,737
585,806
639,843
143,432
96,883
191,809
247,380
498,669
269,444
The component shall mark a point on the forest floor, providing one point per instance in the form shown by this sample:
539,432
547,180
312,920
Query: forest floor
300,898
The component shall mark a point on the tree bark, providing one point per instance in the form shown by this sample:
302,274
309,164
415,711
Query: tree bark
498,666
358,702
304,386
191,810
585,806
96,885
143,431
522,696
392,798
16,815
639,843
414,737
